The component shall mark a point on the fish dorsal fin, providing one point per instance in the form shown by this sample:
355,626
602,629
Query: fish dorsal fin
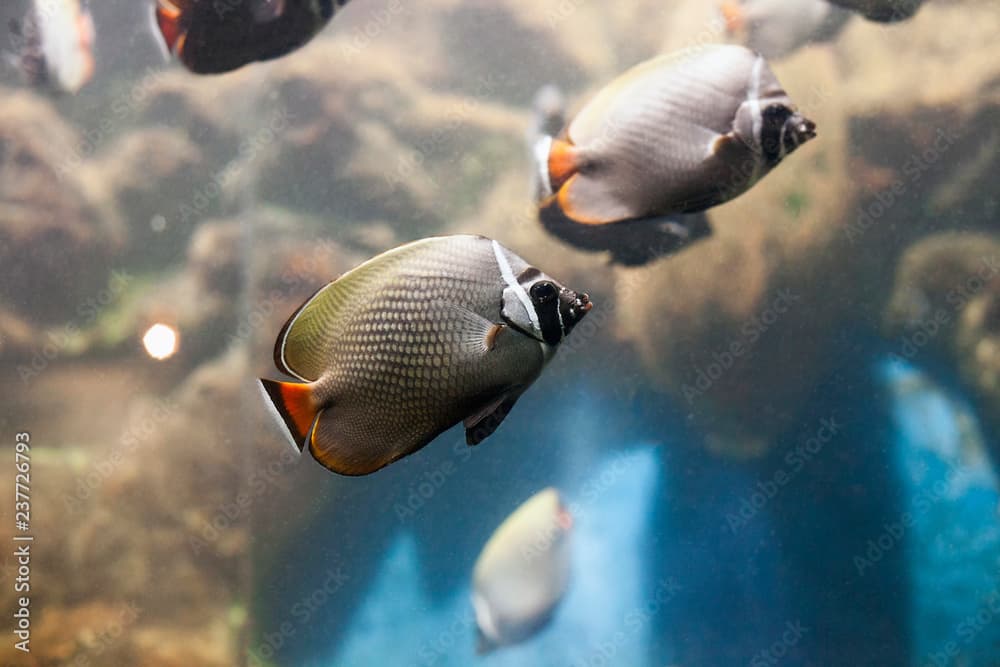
296,336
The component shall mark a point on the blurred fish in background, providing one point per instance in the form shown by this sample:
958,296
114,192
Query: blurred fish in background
523,572
676,134
56,45
883,11
776,28
630,243
216,36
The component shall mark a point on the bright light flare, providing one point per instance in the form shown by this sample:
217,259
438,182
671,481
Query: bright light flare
160,341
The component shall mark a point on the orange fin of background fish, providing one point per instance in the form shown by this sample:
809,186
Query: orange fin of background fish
592,201
564,161
168,20
294,403
733,15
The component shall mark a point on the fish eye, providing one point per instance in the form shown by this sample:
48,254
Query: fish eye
543,292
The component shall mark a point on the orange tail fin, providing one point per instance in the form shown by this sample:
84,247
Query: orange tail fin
294,403
733,14
564,161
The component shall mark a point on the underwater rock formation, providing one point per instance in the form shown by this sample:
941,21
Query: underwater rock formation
946,305
738,325
57,239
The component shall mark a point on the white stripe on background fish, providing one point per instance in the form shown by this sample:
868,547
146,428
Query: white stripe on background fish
412,342
676,134
885,11
216,36
523,572
57,45
776,28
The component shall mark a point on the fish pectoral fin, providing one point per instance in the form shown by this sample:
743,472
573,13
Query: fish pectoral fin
595,200
484,422
476,334
727,147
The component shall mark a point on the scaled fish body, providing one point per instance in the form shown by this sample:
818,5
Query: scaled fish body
884,11
215,36
775,28
412,342
58,45
522,572
676,134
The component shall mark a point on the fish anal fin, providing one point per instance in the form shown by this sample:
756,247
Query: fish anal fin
342,442
592,200
295,405
481,424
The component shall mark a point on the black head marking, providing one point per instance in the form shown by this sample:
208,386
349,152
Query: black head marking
772,133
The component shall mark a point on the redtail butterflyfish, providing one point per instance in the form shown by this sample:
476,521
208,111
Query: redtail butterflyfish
435,332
